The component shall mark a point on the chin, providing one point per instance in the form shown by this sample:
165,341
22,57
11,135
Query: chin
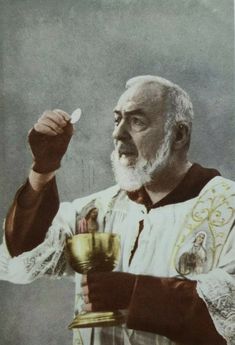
125,172
131,175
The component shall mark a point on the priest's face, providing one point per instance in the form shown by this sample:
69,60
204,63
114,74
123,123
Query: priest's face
142,145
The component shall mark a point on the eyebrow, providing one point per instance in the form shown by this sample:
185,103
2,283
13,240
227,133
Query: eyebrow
130,112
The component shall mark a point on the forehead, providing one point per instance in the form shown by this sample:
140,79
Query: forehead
147,96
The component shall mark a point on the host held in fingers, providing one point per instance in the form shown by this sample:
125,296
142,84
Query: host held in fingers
175,279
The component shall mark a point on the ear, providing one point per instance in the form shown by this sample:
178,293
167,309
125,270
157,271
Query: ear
182,136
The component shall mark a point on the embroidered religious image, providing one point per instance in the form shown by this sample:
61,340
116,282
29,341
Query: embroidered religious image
88,223
192,261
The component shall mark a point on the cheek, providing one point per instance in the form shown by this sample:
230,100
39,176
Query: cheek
148,146
150,141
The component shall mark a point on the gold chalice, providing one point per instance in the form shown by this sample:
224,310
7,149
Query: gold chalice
94,252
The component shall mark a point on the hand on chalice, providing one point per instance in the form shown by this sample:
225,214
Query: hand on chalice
103,291
107,290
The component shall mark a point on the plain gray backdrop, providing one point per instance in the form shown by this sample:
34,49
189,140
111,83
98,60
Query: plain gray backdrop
79,53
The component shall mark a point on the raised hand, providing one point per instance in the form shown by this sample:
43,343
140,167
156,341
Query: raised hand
49,139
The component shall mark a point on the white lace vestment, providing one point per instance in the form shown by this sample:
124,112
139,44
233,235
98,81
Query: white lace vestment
168,233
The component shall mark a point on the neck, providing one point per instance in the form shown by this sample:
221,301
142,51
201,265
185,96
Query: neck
166,180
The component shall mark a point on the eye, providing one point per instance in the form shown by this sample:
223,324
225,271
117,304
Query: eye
117,120
137,123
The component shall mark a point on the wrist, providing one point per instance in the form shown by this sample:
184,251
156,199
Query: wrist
38,181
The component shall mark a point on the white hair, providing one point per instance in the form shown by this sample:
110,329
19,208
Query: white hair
178,106
177,109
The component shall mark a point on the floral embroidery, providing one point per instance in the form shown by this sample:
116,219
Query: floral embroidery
212,214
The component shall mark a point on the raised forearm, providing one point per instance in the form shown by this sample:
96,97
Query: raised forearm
31,213
37,202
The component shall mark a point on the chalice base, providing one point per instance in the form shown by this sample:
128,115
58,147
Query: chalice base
97,319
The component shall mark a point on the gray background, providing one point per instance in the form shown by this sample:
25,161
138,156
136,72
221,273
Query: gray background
65,54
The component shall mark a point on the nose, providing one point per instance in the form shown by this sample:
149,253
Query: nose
121,131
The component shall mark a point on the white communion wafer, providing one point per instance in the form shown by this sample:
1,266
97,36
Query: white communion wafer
76,114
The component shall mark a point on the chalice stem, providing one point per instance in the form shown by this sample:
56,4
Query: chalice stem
93,239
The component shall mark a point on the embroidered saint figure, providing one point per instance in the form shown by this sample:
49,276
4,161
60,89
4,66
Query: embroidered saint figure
192,261
88,223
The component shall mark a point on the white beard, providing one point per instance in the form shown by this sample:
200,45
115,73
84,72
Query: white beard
133,177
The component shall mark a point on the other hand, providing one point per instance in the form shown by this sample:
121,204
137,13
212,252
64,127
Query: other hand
104,291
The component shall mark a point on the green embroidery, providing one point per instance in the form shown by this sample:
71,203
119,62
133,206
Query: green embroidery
212,214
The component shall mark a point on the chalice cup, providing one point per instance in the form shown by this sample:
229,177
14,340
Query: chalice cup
97,252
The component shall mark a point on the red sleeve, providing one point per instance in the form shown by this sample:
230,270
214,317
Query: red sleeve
171,307
25,228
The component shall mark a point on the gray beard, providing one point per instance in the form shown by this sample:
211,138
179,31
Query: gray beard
133,177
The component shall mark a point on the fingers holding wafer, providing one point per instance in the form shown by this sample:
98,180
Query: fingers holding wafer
52,122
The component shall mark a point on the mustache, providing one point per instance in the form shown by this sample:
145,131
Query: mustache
126,149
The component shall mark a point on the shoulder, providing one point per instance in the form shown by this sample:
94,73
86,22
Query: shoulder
220,184
99,199
219,191
103,196
69,211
